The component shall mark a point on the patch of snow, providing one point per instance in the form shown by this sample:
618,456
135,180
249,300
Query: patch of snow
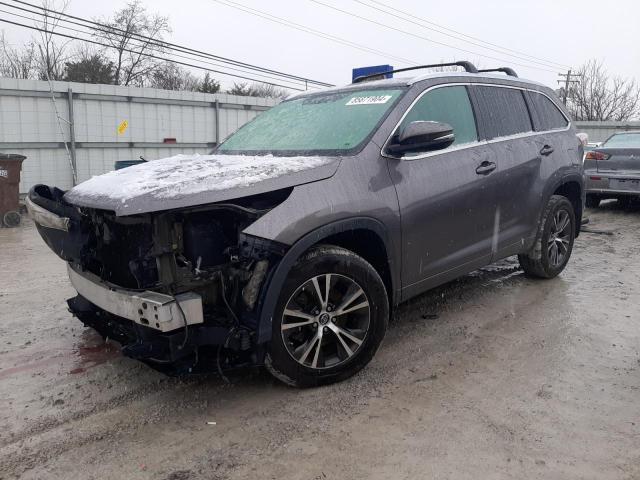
182,175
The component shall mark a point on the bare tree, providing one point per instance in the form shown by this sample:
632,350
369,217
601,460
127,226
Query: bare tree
133,34
268,91
599,96
258,90
240,89
448,68
169,76
17,62
52,52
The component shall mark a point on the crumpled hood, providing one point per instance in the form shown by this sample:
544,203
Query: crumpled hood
189,180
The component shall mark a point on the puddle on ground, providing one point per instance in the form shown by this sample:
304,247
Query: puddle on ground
89,351
92,351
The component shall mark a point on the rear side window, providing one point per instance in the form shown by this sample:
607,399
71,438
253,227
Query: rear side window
449,105
549,116
502,111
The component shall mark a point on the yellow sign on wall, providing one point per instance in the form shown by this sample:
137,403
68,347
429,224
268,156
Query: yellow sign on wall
123,127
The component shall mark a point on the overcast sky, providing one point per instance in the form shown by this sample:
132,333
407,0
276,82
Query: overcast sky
565,32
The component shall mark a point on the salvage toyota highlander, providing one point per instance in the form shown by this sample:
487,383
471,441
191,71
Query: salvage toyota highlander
290,245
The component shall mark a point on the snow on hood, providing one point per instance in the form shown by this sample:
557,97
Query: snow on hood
188,180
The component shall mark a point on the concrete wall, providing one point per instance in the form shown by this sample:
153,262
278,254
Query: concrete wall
600,131
28,125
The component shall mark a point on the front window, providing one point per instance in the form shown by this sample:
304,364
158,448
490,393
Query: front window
327,123
449,105
623,140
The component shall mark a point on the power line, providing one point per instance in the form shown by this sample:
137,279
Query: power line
384,25
498,49
311,31
162,43
111,29
156,49
568,78
464,34
148,55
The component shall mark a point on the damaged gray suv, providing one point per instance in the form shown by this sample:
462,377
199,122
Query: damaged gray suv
291,244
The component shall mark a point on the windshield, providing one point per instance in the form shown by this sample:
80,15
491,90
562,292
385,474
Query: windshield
624,140
331,122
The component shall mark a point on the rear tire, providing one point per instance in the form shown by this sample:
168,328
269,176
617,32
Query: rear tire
349,318
592,201
554,241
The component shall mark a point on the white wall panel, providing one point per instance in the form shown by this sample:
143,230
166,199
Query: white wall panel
49,166
600,131
28,122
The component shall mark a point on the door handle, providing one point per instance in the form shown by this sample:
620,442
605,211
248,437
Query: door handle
485,168
546,150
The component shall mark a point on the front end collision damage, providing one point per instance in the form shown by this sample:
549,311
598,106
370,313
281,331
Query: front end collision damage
180,290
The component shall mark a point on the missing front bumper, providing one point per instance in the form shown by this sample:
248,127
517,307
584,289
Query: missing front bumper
179,352
155,310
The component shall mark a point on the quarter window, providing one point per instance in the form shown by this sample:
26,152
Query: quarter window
503,111
449,105
549,116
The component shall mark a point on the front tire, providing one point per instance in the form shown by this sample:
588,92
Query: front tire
331,317
554,241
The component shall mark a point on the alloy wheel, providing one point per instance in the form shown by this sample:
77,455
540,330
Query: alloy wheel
559,238
325,321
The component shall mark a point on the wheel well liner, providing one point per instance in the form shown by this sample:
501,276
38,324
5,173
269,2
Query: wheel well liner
572,190
344,233
368,245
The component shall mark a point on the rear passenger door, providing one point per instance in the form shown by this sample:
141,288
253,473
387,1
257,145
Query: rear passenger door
447,197
505,123
557,148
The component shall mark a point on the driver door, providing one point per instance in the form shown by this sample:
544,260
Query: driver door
447,197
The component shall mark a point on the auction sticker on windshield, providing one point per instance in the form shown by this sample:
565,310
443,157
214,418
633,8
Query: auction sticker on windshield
370,100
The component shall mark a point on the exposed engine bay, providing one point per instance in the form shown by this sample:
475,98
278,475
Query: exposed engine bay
160,260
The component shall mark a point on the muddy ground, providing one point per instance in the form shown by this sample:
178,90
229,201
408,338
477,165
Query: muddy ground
491,376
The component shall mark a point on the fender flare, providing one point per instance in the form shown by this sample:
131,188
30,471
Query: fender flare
573,177
271,289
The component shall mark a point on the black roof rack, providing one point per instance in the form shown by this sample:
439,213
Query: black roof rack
468,66
509,71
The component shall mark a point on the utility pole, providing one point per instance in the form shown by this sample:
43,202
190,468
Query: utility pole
568,79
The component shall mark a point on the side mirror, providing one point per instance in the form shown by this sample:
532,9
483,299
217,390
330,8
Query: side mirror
422,136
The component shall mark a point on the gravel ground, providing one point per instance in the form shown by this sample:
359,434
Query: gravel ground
491,376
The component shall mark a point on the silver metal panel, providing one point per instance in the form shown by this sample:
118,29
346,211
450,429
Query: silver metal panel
49,166
151,309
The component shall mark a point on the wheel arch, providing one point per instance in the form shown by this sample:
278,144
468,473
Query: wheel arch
572,189
348,233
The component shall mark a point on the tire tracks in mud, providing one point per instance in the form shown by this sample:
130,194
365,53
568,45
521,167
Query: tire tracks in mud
42,442
452,333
